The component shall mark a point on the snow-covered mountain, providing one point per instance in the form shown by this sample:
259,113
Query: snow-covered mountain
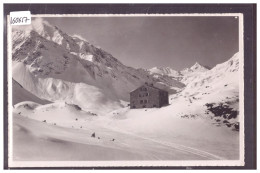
210,88
217,90
164,71
180,78
56,66
218,78
177,74
193,69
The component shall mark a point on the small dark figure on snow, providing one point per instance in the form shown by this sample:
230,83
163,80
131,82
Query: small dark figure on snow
113,139
93,135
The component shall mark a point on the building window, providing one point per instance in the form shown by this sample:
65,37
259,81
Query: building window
145,101
141,101
147,94
140,95
144,106
143,89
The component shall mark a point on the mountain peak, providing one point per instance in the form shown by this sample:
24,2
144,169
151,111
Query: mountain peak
44,29
198,67
197,64
38,25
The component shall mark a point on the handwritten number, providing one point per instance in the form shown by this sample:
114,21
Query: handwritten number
19,20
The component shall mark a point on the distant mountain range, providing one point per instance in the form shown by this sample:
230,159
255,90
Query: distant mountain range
171,72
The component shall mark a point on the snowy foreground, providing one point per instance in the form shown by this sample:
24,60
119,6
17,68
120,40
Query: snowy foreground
60,131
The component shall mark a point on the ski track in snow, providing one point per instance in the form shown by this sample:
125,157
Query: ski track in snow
175,146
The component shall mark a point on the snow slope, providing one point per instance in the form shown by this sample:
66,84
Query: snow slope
142,134
214,80
48,143
20,95
54,143
217,90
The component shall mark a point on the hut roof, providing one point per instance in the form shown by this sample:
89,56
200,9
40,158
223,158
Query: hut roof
147,85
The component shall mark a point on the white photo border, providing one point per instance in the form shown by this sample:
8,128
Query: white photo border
166,163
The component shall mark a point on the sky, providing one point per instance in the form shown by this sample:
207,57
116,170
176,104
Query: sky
146,42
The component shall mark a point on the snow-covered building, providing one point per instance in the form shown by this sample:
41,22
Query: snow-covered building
148,96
